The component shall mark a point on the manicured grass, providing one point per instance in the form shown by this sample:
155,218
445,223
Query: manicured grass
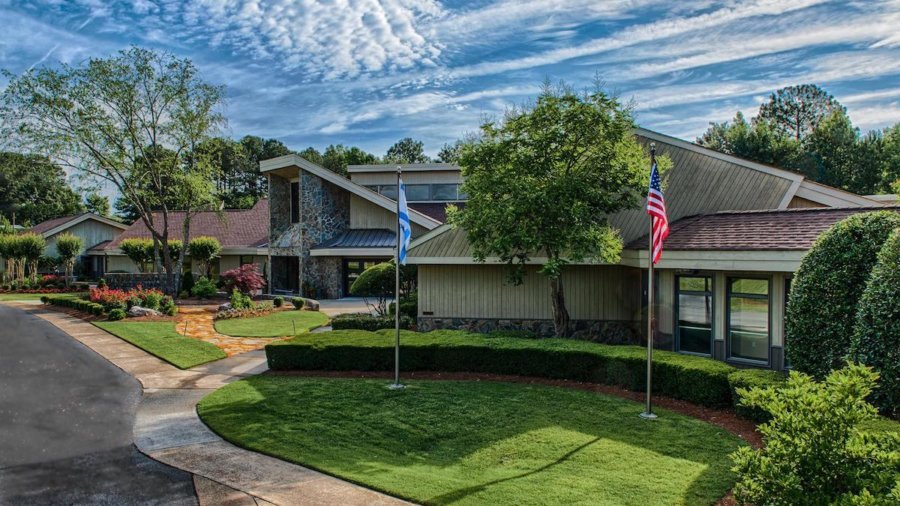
161,339
467,442
277,324
31,296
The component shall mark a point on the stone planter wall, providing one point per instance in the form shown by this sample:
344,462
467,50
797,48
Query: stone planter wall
609,332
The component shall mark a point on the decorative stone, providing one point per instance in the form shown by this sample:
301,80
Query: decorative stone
225,307
310,304
137,311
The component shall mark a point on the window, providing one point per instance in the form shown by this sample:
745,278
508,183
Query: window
748,319
693,329
444,191
388,190
246,259
418,192
295,202
353,267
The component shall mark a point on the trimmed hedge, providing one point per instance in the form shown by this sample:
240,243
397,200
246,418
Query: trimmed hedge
876,340
78,304
694,379
745,379
821,310
367,322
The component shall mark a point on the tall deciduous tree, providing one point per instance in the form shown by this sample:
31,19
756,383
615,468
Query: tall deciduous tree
797,110
109,119
542,181
407,150
33,189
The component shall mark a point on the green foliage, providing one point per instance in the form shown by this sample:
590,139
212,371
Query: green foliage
278,301
542,182
369,322
76,303
135,120
409,306
796,111
97,204
814,451
378,283
819,322
266,323
298,302
69,247
240,301
876,338
33,189
745,379
152,300
804,129
205,249
699,380
204,289
169,308
116,315
407,150
139,251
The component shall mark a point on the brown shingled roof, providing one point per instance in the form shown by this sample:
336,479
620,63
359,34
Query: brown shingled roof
788,229
234,228
44,226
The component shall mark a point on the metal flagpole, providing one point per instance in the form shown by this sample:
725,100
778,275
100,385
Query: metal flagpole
397,383
648,408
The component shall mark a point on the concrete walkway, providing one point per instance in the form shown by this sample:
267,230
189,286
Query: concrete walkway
168,429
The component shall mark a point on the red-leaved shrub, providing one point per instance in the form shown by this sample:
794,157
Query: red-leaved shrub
245,278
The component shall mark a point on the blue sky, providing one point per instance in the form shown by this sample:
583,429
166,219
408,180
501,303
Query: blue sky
368,72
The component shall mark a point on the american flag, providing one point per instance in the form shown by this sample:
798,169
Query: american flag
656,208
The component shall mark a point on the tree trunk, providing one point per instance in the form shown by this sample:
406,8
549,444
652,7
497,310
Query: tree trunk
179,269
560,313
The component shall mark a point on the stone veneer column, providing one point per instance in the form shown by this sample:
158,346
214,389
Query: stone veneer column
324,213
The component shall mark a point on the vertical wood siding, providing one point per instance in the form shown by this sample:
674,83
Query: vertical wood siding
365,214
480,291
91,232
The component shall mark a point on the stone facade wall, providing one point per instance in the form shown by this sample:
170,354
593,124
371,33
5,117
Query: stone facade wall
128,281
324,213
609,332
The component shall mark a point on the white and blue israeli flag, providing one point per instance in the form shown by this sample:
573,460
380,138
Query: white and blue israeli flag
405,229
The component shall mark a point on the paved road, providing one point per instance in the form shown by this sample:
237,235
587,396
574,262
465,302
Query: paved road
66,418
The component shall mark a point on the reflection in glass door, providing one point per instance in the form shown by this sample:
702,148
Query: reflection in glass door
693,329
748,319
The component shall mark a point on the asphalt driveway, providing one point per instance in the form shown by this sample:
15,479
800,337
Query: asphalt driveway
66,418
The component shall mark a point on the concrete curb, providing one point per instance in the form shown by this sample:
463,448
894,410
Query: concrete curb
168,429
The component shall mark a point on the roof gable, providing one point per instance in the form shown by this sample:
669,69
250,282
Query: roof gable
54,226
344,183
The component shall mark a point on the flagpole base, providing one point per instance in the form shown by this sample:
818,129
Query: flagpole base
648,416
396,386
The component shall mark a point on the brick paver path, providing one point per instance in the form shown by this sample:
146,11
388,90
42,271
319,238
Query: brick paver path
197,322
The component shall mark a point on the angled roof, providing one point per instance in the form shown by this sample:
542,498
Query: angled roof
56,225
291,160
361,238
234,228
404,167
778,229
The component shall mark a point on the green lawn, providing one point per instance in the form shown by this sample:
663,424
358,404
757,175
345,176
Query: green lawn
277,324
31,296
443,442
160,339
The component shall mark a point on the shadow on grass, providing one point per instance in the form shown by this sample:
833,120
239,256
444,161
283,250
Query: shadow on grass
444,442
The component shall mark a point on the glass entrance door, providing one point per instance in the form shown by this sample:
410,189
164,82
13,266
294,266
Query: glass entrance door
694,314
353,267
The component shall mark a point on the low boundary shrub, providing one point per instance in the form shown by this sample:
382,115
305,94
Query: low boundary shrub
76,303
367,322
753,378
694,379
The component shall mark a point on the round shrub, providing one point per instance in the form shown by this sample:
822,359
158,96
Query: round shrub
45,299
743,380
827,288
876,341
204,289
116,315
298,302
278,301
170,309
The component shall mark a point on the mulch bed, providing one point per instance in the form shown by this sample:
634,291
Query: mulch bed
724,418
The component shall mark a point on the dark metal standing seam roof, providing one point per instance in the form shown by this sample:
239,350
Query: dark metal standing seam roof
361,238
